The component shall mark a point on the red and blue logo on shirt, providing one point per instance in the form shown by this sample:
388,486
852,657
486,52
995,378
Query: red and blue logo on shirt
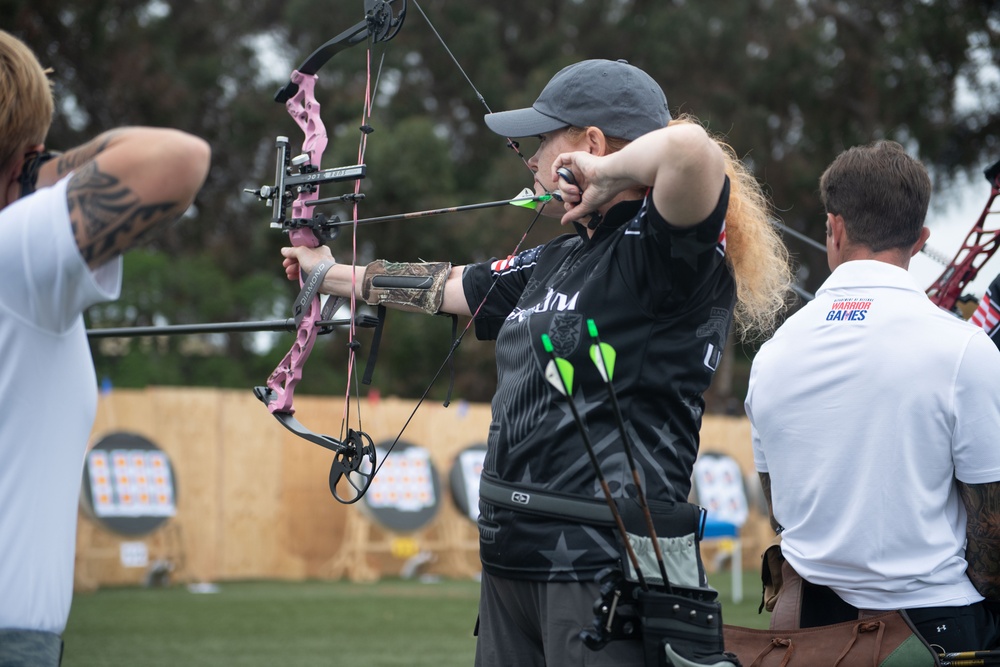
849,310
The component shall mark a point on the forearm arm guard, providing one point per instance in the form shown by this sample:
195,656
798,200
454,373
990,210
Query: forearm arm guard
415,286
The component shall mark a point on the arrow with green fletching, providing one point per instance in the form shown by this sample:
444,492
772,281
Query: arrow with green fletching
559,373
603,356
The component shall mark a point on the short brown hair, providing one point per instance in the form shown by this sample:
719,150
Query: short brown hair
881,192
25,98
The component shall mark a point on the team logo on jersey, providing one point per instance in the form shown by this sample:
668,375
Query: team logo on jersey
715,329
849,310
716,326
553,301
565,332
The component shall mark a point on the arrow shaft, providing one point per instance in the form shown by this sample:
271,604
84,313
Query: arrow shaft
630,457
582,428
424,214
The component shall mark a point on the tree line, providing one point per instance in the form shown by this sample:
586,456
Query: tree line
787,83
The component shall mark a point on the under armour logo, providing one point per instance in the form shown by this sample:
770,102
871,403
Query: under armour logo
942,628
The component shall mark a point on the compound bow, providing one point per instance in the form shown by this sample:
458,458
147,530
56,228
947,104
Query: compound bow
297,181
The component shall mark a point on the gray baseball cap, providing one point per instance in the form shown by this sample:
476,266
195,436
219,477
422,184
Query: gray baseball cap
620,99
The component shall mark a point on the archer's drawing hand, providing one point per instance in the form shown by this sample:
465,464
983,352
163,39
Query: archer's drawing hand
301,260
593,188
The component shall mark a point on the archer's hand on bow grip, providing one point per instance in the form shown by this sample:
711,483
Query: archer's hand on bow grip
301,260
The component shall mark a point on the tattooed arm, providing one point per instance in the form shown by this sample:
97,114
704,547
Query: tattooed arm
982,504
765,484
125,183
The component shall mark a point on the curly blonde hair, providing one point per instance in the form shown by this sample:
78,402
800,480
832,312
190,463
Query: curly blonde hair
756,253
26,103
754,248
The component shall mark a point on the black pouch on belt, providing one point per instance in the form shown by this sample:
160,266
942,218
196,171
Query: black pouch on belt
682,631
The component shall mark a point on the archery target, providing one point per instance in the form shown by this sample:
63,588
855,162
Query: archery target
129,485
464,480
405,494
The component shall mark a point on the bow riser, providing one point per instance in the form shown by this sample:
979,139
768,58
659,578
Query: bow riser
354,454
979,246
286,375
305,110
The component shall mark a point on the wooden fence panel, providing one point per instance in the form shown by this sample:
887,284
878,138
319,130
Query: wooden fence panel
253,500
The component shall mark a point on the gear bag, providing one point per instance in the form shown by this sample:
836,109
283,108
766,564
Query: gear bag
679,621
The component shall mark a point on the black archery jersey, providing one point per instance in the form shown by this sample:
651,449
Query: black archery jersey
663,298
987,314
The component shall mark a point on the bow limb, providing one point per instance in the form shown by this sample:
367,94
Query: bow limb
979,246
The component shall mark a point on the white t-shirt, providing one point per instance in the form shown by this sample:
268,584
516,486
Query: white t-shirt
865,406
48,391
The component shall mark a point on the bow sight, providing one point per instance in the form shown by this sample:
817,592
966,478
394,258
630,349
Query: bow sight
289,185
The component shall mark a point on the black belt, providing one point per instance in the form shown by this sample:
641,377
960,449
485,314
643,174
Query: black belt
556,506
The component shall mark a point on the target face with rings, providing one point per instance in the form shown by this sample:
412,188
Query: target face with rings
129,485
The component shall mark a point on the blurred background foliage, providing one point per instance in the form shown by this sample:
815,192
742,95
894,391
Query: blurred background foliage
788,83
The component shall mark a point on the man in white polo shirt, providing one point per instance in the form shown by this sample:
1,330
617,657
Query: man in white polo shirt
65,221
876,423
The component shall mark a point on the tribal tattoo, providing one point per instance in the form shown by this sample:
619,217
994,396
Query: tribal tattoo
107,217
73,159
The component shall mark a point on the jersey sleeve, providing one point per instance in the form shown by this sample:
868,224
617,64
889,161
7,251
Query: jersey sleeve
510,276
676,264
987,315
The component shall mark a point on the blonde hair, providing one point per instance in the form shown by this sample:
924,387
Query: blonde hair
26,103
755,251
754,248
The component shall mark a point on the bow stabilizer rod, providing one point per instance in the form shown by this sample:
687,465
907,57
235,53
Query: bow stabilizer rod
288,324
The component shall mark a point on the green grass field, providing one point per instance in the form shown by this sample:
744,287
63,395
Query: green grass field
256,624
